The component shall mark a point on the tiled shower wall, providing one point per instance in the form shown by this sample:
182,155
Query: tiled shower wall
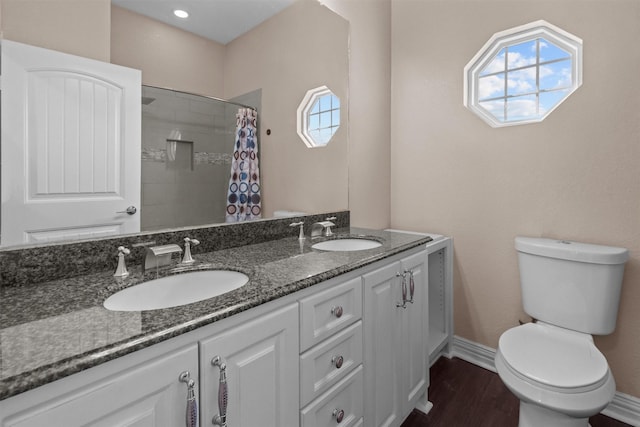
186,186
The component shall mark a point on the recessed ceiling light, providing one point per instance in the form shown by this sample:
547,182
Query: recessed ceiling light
181,13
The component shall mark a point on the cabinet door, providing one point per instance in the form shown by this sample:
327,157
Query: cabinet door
381,356
415,332
261,358
144,395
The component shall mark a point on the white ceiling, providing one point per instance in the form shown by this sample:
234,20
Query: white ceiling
219,20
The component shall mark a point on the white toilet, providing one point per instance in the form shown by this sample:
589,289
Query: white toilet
572,290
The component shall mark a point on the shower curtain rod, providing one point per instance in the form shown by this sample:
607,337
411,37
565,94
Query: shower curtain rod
205,96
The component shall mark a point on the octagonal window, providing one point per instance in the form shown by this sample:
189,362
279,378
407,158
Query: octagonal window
318,117
522,74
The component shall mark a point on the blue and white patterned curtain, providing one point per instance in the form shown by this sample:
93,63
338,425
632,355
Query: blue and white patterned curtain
243,200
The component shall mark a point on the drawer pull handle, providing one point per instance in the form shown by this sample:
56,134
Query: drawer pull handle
403,304
192,405
337,361
338,414
337,311
412,286
223,393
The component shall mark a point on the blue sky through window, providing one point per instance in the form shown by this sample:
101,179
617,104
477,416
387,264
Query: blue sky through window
525,80
324,118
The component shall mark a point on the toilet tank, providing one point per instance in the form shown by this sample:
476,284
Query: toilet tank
572,285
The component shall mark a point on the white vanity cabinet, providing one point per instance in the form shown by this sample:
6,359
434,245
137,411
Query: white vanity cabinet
260,349
331,373
352,351
146,393
395,336
260,360
440,253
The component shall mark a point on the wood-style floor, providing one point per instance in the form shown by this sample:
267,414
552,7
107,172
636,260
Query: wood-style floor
465,395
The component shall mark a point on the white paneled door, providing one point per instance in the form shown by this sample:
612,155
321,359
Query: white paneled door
70,151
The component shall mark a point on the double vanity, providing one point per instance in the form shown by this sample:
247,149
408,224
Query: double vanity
313,337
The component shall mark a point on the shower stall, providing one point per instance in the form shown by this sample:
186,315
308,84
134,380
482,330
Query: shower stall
187,148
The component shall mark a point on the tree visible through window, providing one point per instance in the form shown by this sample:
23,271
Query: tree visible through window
523,74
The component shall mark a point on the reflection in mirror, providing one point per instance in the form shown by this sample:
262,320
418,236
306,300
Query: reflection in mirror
187,150
318,117
266,59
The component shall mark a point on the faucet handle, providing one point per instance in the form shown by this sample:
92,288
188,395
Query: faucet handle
194,242
331,218
301,224
121,270
188,259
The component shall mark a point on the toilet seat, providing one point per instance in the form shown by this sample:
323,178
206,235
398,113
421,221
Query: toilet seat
553,358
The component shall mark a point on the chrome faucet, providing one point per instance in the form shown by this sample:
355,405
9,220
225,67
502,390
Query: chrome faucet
321,228
188,259
159,256
121,270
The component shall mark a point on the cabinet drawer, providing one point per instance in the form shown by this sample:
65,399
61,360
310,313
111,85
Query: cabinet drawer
345,396
329,311
319,366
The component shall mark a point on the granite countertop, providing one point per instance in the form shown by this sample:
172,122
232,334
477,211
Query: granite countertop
54,329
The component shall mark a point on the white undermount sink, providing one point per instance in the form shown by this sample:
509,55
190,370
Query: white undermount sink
176,290
345,245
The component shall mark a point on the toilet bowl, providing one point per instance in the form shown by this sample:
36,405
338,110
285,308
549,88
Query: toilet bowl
553,365
559,375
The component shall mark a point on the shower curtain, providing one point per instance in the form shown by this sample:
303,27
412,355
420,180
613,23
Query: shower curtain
243,199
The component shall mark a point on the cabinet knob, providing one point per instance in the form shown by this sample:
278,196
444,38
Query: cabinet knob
337,311
337,361
338,414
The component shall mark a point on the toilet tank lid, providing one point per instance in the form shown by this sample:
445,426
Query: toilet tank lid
574,251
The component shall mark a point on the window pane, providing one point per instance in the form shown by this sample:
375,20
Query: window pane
496,65
325,120
335,117
556,75
549,51
325,135
521,55
316,107
325,102
491,87
548,100
495,108
521,81
314,121
335,102
522,108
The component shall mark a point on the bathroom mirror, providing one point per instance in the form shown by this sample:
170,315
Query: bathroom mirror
305,45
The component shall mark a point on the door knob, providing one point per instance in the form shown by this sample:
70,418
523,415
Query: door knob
130,210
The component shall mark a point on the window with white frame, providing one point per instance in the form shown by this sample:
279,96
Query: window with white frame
318,117
522,74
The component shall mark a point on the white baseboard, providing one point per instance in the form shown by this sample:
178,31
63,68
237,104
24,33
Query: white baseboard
624,408
475,353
